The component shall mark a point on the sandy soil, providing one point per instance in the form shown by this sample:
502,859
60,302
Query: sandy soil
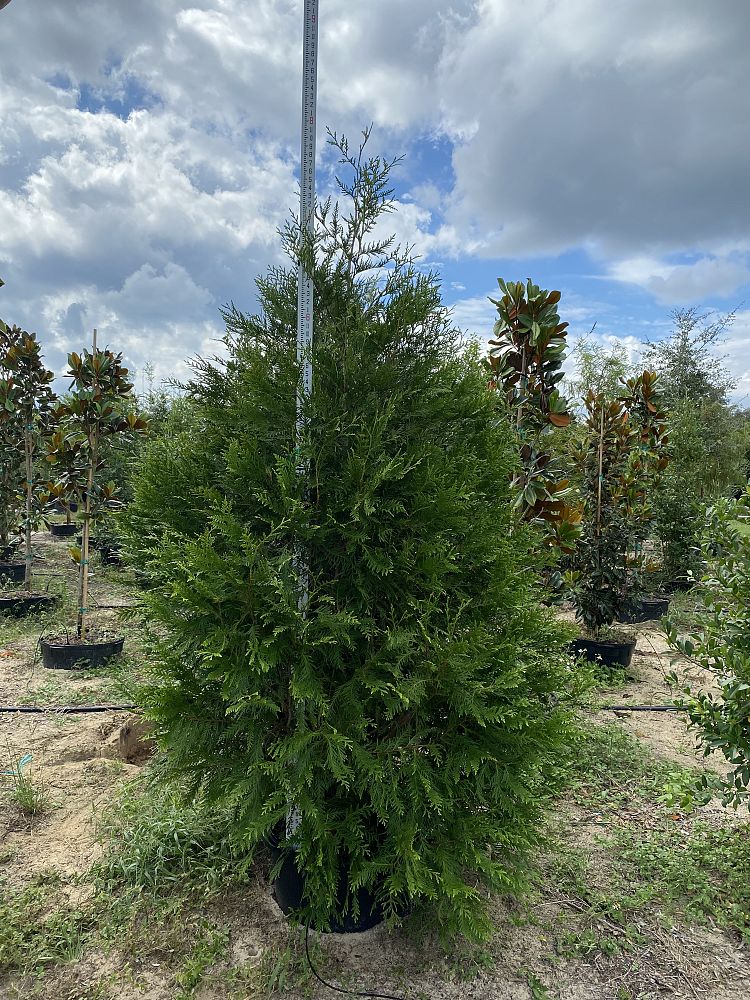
72,756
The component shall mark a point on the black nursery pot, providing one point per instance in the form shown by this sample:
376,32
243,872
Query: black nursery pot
681,584
110,556
289,892
63,530
646,610
609,654
7,552
24,604
13,571
79,655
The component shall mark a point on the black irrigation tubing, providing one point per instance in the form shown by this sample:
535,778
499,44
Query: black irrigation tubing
641,708
71,709
340,989
64,709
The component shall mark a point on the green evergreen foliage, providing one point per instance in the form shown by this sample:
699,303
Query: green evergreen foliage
706,434
721,644
412,713
12,479
686,360
599,368
679,507
599,561
11,460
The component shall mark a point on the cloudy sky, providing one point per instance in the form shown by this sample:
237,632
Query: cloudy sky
149,151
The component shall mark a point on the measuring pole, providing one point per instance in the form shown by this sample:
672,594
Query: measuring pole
305,292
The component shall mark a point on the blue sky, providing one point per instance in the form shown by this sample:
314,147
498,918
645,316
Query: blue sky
148,153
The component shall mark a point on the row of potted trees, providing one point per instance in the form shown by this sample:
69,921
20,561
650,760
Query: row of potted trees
595,514
52,455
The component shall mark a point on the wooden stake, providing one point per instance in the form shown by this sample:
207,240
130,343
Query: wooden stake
84,578
29,455
601,467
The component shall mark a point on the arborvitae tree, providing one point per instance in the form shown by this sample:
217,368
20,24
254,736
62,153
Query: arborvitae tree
411,713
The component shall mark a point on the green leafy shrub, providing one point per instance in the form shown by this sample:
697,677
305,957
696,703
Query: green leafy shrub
410,713
722,644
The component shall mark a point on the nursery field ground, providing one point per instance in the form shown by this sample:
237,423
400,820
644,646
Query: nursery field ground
110,887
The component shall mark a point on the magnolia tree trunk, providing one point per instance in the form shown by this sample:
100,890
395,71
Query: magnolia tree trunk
29,453
83,589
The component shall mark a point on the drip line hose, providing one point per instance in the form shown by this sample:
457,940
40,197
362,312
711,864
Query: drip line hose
641,708
65,709
84,709
340,989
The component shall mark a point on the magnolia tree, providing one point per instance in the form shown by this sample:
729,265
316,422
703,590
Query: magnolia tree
97,407
11,461
12,479
619,462
526,359
26,398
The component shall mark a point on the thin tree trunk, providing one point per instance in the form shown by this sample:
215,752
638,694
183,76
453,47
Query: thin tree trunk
84,574
601,467
83,590
29,451
599,499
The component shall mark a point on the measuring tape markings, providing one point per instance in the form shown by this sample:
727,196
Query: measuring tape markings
305,292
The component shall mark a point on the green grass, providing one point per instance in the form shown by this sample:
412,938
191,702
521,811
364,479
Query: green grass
156,842
164,861
702,873
37,927
661,861
30,795
610,768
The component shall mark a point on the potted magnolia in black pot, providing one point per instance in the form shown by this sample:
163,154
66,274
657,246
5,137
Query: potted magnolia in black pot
647,458
25,401
620,461
97,406
58,502
599,564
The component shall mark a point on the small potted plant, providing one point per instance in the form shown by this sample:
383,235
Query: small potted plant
96,408
25,401
70,480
